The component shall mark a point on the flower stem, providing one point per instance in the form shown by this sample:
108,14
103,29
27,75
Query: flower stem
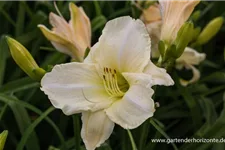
76,127
134,147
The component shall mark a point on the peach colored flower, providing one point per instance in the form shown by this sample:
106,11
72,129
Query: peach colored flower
70,38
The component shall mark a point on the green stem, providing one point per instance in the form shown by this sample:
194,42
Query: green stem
97,8
3,111
214,90
162,132
134,147
144,134
5,14
76,127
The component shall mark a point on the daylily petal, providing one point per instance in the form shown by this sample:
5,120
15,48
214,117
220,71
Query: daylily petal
52,36
124,45
75,87
138,78
196,76
159,75
191,56
97,128
174,14
87,25
60,43
60,26
80,25
136,105
63,49
151,14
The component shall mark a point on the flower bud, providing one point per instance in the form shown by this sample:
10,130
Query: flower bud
3,137
161,48
183,38
210,30
24,59
196,33
195,16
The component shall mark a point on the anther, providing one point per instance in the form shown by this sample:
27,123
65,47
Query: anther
114,71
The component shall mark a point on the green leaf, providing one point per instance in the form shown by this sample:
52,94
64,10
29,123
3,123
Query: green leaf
31,128
76,126
6,99
215,77
97,8
98,23
38,18
191,103
209,112
3,110
217,130
3,57
53,59
2,4
19,85
20,20
160,130
23,122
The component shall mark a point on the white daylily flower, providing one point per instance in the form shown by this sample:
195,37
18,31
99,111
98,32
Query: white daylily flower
113,85
174,15
70,38
188,59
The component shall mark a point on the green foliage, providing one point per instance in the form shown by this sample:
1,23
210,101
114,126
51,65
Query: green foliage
33,124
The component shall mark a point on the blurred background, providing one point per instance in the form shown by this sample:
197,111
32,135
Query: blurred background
33,124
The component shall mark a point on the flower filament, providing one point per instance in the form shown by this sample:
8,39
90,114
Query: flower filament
111,83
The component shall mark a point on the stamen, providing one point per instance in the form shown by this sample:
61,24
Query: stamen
111,83
106,87
114,71
117,87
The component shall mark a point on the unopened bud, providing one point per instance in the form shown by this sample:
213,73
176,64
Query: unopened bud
162,48
196,33
24,59
210,30
184,36
3,137
195,16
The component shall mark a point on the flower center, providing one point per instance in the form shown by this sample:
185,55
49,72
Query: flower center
111,83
